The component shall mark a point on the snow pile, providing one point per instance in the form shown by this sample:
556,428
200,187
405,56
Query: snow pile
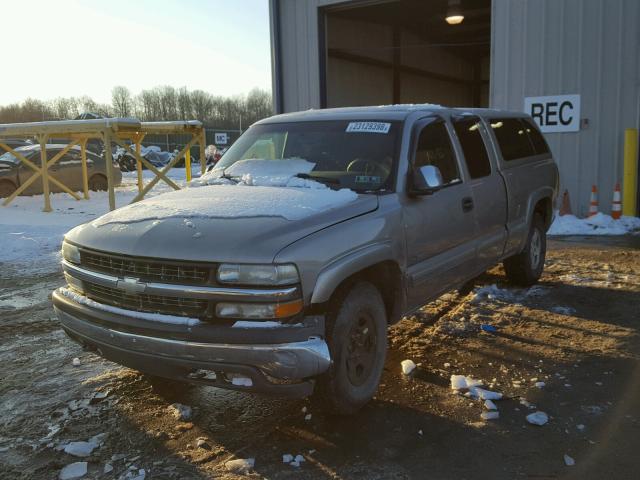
507,295
599,224
461,382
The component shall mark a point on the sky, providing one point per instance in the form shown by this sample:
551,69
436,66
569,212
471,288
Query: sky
69,48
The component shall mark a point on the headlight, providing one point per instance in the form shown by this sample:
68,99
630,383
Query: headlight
258,310
258,274
70,253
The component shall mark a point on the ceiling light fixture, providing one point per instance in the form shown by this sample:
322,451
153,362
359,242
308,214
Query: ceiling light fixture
454,13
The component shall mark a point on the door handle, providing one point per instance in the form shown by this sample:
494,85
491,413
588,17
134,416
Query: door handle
467,204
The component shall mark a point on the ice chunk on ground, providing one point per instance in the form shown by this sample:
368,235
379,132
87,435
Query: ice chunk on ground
485,394
489,405
108,468
539,384
563,310
240,466
241,381
180,411
287,458
580,427
307,417
568,461
490,415
73,470
299,459
75,362
537,418
460,382
80,449
407,366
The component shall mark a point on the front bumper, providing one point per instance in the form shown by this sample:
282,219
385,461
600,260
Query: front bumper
284,367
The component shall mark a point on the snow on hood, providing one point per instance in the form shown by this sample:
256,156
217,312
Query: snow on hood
268,188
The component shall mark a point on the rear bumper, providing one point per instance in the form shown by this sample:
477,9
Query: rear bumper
291,365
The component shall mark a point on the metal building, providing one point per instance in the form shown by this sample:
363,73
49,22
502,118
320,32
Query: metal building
584,53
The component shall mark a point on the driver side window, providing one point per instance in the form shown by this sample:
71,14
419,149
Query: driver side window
435,148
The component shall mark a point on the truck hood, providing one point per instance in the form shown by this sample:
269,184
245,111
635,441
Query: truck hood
221,223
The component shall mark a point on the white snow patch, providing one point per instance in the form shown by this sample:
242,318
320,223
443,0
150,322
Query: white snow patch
563,310
156,317
84,449
232,201
569,461
508,295
461,382
73,470
75,362
537,418
407,366
287,458
599,224
540,384
307,417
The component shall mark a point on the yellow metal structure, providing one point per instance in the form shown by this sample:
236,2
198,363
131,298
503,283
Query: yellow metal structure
630,175
109,130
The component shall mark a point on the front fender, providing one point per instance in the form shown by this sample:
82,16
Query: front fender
336,272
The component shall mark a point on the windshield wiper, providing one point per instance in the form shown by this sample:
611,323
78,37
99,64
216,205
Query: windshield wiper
306,176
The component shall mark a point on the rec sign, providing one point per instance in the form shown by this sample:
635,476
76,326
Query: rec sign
557,113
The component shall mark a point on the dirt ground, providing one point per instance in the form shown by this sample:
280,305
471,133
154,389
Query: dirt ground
577,331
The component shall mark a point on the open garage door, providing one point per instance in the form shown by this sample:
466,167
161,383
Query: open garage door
405,51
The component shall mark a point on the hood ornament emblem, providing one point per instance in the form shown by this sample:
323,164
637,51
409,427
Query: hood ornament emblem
131,286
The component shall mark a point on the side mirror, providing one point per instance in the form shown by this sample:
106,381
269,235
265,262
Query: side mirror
425,180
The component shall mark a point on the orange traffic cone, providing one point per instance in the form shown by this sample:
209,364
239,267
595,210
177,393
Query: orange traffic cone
593,203
616,206
565,209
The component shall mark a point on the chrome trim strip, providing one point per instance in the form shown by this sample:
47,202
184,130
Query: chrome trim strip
188,291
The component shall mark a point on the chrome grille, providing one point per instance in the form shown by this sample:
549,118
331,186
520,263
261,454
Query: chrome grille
146,270
186,307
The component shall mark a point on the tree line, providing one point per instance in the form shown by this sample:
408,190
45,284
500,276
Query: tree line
161,103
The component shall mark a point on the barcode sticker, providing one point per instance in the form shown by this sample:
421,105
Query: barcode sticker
368,127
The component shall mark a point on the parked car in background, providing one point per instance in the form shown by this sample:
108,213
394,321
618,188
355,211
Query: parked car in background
14,143
153,154
347,220
67,170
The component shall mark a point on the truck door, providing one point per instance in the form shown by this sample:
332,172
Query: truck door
439,228
488,189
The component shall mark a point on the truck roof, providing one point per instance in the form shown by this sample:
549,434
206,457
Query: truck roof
382,112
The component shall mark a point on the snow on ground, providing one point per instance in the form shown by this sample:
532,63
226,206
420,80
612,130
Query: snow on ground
31,238
599,224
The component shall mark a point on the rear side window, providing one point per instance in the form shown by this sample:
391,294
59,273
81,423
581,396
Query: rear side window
475,151
537,140
512,137
434,148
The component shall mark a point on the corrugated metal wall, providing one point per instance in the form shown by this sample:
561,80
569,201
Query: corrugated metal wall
539,47
589,47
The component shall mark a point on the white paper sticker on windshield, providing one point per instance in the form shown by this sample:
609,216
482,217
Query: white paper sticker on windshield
368,127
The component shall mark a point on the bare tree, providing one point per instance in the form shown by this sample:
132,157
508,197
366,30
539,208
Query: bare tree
121,101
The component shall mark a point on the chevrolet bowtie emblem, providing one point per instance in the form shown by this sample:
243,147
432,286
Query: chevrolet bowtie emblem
131,285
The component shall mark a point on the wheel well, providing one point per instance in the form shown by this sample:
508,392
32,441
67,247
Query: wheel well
386,277
543,208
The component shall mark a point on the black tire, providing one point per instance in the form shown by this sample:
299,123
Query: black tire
357,339
6,188
98,183
525,268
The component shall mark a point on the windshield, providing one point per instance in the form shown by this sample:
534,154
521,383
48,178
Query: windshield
346,154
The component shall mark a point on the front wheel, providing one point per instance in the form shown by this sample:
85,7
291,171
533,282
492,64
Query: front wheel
98,183
526,268
357,338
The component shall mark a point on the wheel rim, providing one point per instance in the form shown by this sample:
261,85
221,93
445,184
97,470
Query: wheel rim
535,250
361,350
